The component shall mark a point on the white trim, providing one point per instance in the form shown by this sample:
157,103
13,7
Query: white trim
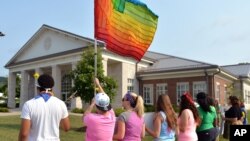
178,95
151,97
163,90
200,84
67,59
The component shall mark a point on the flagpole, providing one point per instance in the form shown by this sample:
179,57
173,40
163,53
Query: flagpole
95,63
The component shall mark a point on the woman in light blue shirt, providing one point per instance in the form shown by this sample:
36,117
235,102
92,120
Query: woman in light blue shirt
165,120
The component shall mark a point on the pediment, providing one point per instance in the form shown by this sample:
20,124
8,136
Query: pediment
48,41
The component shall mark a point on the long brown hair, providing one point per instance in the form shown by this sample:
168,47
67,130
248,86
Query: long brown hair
164,104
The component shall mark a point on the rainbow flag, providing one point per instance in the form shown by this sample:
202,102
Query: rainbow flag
126,26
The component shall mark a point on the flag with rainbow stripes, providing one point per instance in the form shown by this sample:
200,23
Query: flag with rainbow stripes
126,26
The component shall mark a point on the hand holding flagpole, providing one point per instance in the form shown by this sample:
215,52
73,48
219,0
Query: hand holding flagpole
95,65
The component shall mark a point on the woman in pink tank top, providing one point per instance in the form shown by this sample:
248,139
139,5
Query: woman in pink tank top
130,124
188,119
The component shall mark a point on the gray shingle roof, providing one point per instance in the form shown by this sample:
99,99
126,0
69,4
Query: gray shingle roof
242,69
167,62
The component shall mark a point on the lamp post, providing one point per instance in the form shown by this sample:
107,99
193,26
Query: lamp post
1,34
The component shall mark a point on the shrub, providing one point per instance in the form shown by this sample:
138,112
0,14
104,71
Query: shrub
3,104
77,110
118,111
4,110
176,108
149,108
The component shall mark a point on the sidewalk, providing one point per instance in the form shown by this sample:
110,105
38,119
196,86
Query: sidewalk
16,111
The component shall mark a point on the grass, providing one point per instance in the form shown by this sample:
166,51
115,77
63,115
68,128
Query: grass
10,125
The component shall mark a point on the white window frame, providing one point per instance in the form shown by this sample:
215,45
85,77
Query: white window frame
148,94
248,97
217,91
181,88
199,86
66,85
130,85
161,88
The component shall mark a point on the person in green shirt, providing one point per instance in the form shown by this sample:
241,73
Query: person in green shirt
207,130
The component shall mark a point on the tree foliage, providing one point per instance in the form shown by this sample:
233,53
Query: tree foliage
234,91
83,76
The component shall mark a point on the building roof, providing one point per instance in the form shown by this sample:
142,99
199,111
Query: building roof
43,28
163,62
241,69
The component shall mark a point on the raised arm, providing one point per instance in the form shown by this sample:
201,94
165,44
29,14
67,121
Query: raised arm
100,89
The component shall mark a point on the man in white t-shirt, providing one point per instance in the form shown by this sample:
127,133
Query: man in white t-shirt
42,115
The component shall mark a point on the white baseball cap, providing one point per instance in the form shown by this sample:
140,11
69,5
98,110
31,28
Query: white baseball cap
102,102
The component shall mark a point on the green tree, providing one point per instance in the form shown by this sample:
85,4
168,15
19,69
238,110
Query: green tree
233,91
83,76
4,87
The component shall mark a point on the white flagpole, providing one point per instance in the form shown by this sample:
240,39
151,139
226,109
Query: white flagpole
95,64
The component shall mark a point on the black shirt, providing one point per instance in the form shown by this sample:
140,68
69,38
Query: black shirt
233,112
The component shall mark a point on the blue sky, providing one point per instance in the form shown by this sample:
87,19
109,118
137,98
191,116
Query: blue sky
212,31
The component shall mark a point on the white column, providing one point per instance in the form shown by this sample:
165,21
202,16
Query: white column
39,71
11,90
74,65
24,88
56,74
105,65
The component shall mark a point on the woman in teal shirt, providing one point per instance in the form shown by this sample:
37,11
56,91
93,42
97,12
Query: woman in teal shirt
207,130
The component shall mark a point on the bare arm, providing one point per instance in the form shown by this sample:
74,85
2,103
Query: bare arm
24,131
90,108
120,131
143,131
92,105
231,119
157,127
100,89
183,121
65,124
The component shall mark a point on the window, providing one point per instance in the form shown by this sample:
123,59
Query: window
199,86
161,89
225,94
66,86
130,86
248,98
217,91
148,94
181,88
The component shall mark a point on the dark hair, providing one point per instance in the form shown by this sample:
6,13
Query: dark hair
211,101
45,81
104,109
187,103
234,101
202,100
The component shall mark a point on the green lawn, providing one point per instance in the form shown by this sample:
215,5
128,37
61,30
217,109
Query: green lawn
10,125
9,129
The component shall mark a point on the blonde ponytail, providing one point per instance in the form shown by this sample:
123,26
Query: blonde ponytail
139,107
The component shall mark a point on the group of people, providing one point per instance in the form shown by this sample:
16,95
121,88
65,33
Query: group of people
40,122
